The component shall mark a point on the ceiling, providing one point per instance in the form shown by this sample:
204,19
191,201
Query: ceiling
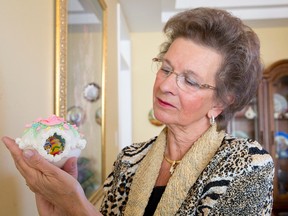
83,12
150,15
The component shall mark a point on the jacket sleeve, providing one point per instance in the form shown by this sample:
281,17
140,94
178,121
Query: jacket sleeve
249,194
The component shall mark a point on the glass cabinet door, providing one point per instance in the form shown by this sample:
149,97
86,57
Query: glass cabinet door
280,115
276,129
245,122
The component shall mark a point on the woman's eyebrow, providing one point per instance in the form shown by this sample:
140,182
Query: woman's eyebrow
167,61
185,71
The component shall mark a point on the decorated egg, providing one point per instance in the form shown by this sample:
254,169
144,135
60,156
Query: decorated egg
54,138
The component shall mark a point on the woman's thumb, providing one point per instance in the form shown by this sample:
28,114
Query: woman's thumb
35,160
71,167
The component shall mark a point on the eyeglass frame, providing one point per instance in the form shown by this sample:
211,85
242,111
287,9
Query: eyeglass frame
196,84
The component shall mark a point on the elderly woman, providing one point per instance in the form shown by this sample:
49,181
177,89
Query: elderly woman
208,69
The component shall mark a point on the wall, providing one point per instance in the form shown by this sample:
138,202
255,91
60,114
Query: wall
26,87
111,87
145,46
274,45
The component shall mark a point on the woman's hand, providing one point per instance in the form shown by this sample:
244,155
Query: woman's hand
47,208
57,191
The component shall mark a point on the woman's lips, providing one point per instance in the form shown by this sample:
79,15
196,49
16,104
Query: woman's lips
164,103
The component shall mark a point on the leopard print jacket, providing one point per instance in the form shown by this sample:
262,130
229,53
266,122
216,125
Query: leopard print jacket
227,186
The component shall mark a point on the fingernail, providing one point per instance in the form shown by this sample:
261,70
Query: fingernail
28,153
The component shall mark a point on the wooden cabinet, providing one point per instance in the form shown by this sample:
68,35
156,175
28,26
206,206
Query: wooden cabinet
266,120
276,82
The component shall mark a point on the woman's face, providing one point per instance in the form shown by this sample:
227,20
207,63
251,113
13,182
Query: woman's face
171,104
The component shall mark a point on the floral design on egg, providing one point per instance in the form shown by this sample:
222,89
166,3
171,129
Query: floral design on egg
54,138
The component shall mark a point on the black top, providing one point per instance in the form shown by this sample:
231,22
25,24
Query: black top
154,200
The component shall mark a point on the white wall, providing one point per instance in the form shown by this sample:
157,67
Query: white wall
124,80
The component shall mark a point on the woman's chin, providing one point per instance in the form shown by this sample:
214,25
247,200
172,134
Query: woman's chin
163,118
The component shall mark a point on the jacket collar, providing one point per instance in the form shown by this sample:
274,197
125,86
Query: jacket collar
185,175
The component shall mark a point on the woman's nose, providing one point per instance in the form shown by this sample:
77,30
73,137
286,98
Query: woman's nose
169,84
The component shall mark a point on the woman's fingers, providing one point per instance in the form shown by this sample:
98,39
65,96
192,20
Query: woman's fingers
12,146
71,167
38,164
30,164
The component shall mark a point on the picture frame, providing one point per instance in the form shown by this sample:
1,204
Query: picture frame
80,59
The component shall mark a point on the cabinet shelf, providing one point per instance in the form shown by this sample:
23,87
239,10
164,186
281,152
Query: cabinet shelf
243,118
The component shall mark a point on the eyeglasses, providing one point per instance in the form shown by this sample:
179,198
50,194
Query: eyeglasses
185,81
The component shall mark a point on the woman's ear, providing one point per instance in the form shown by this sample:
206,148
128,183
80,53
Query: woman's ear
230,99
215,110
218,106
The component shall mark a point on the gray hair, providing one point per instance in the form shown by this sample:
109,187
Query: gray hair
238,77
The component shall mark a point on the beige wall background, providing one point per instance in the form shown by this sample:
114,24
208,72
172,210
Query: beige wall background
26,83
26,87
274,44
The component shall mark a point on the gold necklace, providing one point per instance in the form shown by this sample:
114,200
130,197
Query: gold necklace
173,163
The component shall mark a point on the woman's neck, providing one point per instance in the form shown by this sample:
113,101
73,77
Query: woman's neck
180,140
